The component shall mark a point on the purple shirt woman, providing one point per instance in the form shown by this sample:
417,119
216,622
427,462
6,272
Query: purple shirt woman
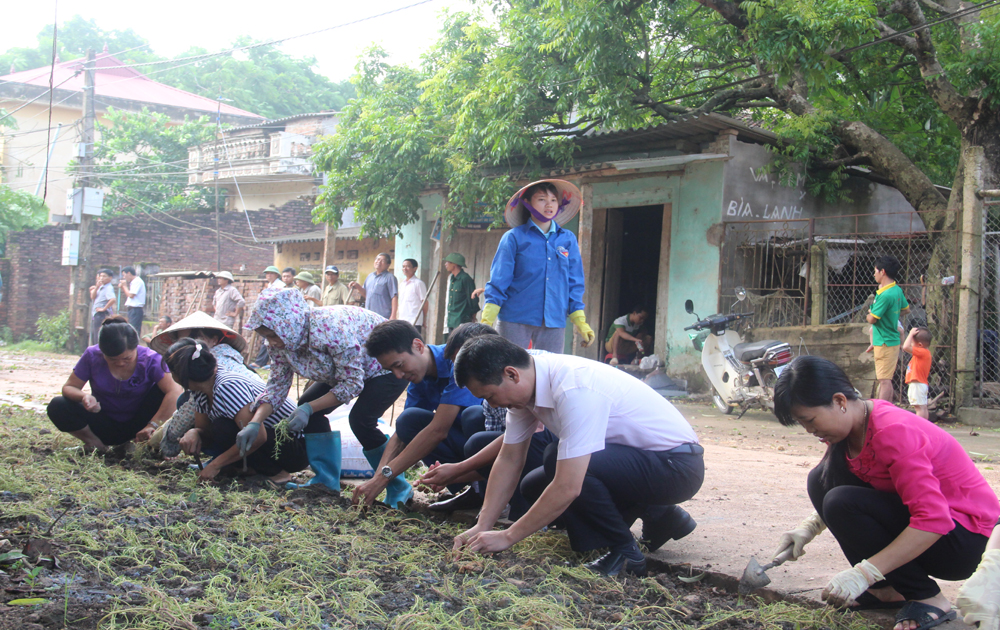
131,391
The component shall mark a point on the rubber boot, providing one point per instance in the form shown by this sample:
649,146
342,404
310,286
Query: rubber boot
399,491
323,450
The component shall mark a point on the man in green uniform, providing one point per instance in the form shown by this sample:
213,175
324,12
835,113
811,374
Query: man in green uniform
889,305
462,307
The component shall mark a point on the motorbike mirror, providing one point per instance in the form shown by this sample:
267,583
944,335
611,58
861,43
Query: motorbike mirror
741,293
689,306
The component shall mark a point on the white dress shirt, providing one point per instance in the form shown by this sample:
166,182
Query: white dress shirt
411,295
589,404
138,288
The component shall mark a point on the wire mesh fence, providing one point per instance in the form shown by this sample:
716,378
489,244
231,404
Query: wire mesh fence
820,271
987,390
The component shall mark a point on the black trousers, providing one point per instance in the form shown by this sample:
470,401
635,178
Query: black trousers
473,422
864,521
290,457
536,451
378,395
135,318
69,416
620,481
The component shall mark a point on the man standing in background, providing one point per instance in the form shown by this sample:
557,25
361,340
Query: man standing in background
336,292
462,307
288,277
380,292
133,287
103,307
412,294
228,302
273,277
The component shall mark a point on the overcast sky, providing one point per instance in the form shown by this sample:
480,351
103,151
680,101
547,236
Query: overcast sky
173,27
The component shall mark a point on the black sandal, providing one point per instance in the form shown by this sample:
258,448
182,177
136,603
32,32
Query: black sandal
921,613
867,601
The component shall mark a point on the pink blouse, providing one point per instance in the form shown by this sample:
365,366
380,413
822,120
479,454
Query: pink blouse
928,469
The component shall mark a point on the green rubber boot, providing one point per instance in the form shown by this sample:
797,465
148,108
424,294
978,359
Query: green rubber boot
323,450
399,491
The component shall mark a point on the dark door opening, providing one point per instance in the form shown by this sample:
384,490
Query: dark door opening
632,263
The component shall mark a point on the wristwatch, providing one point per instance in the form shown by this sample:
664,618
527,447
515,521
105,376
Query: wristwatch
387,472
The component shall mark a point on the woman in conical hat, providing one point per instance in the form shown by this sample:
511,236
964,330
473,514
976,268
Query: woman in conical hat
536,278
224,343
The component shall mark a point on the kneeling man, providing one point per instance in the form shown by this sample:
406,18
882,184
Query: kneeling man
623,452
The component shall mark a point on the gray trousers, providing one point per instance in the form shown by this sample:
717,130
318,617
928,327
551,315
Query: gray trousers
541,338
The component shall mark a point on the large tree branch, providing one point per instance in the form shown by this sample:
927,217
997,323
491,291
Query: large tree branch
921,46
730,11
888,161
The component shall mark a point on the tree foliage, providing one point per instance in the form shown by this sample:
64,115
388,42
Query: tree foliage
502,97
263,80
19,211
141,160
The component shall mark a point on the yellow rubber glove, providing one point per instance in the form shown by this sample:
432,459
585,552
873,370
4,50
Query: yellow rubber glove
490,312
580,321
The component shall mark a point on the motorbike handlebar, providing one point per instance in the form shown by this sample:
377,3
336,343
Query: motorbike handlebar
725,319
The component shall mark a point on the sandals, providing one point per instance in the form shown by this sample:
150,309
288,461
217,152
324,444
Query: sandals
921,613
867,601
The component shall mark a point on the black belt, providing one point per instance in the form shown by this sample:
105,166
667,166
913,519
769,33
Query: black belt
690,447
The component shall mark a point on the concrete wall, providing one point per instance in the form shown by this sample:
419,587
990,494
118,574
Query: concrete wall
353,257
23,155
752,194
845,345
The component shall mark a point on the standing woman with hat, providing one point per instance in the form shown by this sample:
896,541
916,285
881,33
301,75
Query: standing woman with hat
462,307
228,302
326,346
536,278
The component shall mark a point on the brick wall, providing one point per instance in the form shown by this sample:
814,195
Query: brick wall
39,284
844,344
5,290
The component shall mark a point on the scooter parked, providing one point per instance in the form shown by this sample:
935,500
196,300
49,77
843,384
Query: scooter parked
742,374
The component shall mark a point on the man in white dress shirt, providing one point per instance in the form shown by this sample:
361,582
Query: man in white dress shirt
623,452
412,291
135,289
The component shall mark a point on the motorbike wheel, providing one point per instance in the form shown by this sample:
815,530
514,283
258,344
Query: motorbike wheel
722,405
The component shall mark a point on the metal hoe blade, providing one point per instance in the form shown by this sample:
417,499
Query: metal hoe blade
754,577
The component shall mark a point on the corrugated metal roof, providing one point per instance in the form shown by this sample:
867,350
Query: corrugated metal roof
281,121
318,235
682,128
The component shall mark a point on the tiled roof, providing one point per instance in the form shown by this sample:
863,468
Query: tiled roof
121,83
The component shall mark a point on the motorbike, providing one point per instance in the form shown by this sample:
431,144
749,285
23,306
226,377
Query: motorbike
742,374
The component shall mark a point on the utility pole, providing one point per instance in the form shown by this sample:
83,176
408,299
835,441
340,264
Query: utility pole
218,235
81,275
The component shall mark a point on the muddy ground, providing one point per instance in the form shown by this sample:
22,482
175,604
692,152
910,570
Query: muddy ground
754,487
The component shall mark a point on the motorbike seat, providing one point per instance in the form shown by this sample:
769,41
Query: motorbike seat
747,352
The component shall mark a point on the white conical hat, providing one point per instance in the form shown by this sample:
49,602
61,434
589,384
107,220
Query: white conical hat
569,198
199,319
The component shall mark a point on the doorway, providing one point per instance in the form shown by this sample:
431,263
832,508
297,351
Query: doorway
632,264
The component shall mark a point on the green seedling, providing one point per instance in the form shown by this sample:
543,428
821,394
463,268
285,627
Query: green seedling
169,555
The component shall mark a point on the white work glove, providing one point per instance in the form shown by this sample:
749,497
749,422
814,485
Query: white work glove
796,539
847,586
979,598
300,418
247,436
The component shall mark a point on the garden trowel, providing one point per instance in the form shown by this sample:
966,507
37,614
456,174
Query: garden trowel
755,575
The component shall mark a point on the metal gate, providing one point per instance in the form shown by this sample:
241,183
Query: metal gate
774,261
987,391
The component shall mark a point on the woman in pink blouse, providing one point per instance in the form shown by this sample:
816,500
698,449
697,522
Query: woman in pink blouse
901,496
